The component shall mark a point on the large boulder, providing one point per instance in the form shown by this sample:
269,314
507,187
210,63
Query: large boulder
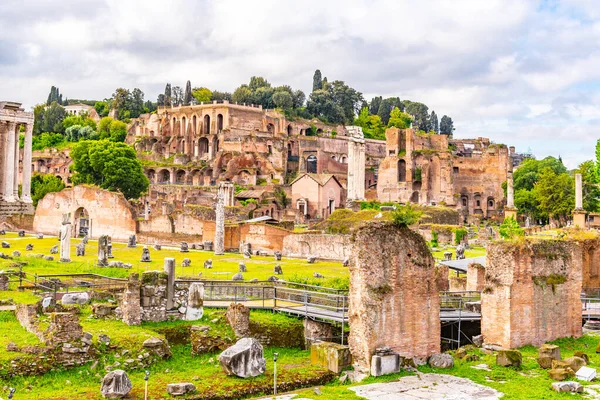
244,359
443,361
76,298
560,374
180,389
116,385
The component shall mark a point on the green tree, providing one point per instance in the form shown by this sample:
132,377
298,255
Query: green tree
371,125
220,96
113,130
555,194
109,165
242,95
283,99
42,184
202,95
419,111
591,189
160,100
399,119
54,96
433,119
526,203
81,120
49,118
528,173
510,228
76,133
405,216
374,105
102,108
168,102
299,98
317,81
257,82
321,104
187,97
47,140
446,126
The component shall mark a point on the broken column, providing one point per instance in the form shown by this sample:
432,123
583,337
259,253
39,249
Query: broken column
103,251
579,212
130,306
394,300
510,211
219,244
228,190
65,238
475,277
356,164
531,292
195,306
169,269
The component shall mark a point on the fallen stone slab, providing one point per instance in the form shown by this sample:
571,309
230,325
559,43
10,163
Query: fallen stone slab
76,298
180,389
244,359
568,386
116,385
427,386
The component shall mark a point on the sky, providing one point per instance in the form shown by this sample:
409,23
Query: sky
523,73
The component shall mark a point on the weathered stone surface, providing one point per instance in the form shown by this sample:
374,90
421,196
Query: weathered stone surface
157,247
277,270
16,253
5,245
102,310
75,298
441,360
582,355
244,359
385,362
238,317
277,255
569,386
54,250
509,358
208,263
29,247
545,361
186,262
145,254
195,305
132,242
427,386
184,247
398,304
575,363
158,347
311,259
63,328
116,385
332,356
242,267
238,277
130,306
550,350
180,389
80,249
560,374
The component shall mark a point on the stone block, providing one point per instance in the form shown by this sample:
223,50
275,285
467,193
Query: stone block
180,389
238,316
385,364
75,298
560,374
509,358
158,347
116,385
569,386
244,359
581,354
575,363
586,374
332,356
441,360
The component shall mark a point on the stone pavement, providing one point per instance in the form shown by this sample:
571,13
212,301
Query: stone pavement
420,386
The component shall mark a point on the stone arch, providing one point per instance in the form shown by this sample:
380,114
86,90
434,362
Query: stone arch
81,223
343,159
183,127
219,122
414,198
180,177
311,164
289,130
202,146
206,129
194,124
164,176
401,171
491,203
289,149
319,132
244,177
477,201
195,177
271,128
151,175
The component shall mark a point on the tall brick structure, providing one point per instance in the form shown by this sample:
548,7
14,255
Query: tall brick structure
531,292
394,299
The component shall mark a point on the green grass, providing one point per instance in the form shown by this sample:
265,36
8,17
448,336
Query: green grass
469,253
12,331
224,267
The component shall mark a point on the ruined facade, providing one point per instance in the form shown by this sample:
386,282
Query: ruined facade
433,169
12,118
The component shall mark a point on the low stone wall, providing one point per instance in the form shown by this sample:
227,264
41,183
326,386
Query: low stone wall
328,247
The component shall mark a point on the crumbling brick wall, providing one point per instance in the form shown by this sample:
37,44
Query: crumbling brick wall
475,277
394,298
531,292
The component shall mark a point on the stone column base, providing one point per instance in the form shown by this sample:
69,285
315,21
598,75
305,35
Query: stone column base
579,218
510,212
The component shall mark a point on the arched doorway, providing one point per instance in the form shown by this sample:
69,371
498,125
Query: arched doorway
206,124
202,146
219,122
289,130
311,164
82,222
151,175
414,198
165,176
401,171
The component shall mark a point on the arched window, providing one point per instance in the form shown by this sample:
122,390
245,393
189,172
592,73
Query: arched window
219,122
207,125
289,130
311,164
401,171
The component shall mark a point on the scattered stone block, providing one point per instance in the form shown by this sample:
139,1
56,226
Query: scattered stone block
238,277
103,339
335,357
477,340
184,247
116,385
441,360
581,354
238,317
80,249
54,250
546,354
208,263
180,389
48,258
5,245
207,245
21,233
16,253
186,262
560,374
277,255
158,347
242,267
385,362
586,374
102,310
75,298
132,241
157,247
247,254
277,270
40,235
244,359
569,386
272,279
311,259
318,275
447,255
29,247
195,308
509,358
346,262
575,363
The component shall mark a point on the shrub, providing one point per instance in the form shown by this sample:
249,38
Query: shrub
405,216
510,228
459,235
434,239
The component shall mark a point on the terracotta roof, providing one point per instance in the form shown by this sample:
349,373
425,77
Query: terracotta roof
250,194
321,179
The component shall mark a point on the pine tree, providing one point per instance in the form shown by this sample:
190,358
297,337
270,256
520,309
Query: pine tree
434,121
187,98
168,95
317,81
446,125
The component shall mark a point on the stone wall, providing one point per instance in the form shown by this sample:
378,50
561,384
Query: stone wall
264,237
394,298
109,212
330,247
531,292
475,277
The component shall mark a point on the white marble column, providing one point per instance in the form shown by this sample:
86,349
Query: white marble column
219,240
16,168
10,163
27,152
578,192
3,139
510,193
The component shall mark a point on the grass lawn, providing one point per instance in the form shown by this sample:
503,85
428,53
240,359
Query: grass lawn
224,267
469,253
